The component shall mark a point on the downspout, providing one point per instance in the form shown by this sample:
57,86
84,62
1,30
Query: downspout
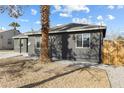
27,45
100,49
20,44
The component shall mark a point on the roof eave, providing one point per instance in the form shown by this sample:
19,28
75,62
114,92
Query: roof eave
69,31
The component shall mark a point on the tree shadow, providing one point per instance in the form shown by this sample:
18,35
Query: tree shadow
59,47
62,47
18,68
93,52
67,53
49,79
86,66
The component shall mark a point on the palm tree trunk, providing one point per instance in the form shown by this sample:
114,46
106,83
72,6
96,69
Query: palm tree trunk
14,28
44,57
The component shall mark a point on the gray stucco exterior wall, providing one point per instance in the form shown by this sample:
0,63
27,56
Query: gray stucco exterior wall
17,45
24,45
6,40
63,46
32,49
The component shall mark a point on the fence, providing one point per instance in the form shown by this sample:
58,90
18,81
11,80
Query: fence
113,52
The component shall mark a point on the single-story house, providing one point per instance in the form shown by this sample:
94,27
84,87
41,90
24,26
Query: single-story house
6,40
72,41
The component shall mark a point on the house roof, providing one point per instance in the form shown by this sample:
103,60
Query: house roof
4,31
71,27
1,30
24,35
21,36
76,27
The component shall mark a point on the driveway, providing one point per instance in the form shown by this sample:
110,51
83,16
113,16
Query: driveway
8,53
115,74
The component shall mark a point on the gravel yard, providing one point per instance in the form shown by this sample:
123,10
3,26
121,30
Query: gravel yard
25,72
115,73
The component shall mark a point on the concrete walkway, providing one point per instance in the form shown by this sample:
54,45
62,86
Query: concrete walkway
115,74
7,54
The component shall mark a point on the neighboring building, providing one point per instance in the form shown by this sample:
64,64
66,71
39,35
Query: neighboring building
6,40
1,30
71,41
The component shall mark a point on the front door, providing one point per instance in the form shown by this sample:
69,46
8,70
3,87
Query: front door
23,45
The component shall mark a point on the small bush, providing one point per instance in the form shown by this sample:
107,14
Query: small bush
113,52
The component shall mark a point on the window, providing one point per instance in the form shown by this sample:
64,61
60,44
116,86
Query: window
9,41
37,42
86,40
83,40
79,40
38,45
22,42
1,37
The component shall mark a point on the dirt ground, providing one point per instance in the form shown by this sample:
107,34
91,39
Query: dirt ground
25,72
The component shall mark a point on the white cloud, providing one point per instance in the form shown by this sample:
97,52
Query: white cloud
120,6
90,17
3,28
102,23
23,20
57,7
99,17
58,24
111,7
111,17
71,8
115,7
65,15
37,22
33,11
67,10
80,20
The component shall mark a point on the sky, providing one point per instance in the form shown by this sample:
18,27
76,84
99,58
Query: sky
111,16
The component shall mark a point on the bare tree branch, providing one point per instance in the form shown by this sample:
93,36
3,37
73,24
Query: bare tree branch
13,10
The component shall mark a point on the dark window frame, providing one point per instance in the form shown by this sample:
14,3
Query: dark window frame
37,43
9,41
1,36
22,43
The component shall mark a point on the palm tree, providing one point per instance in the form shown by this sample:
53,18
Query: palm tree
14,11
45,12
14,25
